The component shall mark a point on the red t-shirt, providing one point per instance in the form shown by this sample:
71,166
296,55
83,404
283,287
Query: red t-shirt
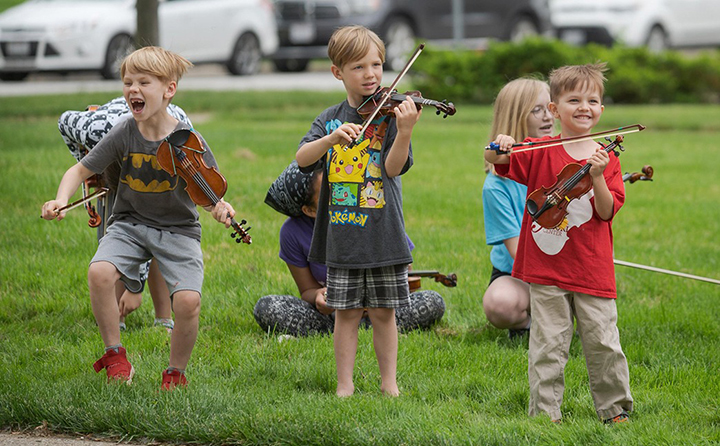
578,255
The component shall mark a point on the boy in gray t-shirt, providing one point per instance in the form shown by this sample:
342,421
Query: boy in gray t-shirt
359,230
153,216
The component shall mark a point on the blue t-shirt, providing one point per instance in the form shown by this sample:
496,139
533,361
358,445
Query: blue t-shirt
295,239
503,207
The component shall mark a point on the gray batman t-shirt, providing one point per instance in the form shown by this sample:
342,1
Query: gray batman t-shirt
146,194
359,222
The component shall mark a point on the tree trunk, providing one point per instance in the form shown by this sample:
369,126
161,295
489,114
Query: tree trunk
147,24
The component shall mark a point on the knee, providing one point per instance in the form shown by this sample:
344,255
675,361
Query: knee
102,275
500,310
492,304
186,304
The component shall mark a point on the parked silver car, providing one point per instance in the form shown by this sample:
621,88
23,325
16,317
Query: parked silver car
70,35
657,24
305,26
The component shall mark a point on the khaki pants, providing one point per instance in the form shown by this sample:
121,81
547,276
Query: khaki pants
551,331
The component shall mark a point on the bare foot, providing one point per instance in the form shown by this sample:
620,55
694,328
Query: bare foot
343,391
392,392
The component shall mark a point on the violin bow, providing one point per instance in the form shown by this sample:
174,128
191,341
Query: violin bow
665,271
535,145
97,194
388,93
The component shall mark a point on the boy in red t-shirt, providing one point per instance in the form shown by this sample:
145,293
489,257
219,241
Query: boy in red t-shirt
570,267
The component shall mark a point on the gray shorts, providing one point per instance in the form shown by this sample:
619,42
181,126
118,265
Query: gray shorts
384,287
127,246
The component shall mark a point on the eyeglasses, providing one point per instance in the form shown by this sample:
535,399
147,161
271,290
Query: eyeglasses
539,111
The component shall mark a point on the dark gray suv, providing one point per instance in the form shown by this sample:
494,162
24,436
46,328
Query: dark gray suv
305,26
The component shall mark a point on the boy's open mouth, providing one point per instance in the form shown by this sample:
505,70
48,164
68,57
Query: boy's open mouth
137,105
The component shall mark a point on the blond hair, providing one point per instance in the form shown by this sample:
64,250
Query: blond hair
513,105
351,43
572,77
159,62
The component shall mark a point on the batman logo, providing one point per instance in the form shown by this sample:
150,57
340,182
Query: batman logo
142,173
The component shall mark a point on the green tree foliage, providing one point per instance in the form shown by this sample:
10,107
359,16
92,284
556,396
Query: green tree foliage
635,75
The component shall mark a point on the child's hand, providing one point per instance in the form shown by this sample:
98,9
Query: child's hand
406,115
345,133
599,162
223,212
321,303
49,210
505,143
129,302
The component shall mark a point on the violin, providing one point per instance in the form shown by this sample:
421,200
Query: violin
646,175
181,153
414,278
394,99
548,206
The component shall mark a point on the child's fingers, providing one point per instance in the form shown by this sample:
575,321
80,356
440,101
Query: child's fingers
49,210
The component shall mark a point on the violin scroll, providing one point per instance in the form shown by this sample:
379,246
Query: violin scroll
645,175
449,280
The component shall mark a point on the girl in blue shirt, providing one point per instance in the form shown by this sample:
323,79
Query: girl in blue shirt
521,111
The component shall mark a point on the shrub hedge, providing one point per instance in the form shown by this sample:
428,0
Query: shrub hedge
635,75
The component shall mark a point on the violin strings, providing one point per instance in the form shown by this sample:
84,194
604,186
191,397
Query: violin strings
199,180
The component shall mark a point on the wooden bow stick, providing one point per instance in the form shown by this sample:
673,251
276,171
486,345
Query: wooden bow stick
98,193
665,271
535,145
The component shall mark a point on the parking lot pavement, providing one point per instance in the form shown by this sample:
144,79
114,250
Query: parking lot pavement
211,77
204,77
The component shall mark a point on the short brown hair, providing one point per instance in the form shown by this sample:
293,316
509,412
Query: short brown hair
571,77
157,61
351,43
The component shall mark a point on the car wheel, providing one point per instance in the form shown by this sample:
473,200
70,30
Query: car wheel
399,43
291,65
246,56
521,28
657,40
118,48
14,76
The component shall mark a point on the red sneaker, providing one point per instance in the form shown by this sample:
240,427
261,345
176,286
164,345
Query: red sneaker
116,364
172,379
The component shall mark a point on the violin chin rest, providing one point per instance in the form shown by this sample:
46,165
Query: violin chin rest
532,207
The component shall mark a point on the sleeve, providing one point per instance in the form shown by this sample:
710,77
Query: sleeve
291,250
500,222
520,162
411,245
109,149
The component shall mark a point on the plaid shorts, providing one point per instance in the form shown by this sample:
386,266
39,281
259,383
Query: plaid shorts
383,287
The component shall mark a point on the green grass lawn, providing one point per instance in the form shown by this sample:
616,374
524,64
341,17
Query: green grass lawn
463,382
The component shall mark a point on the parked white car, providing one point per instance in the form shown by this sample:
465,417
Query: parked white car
659,24
71,35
